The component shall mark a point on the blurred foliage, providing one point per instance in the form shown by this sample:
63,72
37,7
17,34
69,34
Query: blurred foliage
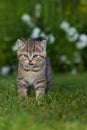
52,14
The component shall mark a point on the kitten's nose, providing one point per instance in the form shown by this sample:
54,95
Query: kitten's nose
30,60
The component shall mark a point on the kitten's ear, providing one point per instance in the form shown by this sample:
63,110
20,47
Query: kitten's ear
43,45
20,43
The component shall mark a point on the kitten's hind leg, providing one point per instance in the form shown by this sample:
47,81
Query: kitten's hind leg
48,87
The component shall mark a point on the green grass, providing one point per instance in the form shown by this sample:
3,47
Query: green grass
64,107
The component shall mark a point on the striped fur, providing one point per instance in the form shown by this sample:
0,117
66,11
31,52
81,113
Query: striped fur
34,69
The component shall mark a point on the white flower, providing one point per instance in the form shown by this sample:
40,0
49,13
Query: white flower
73,38
5,70
43,35
83,38
15,47
51,38
81,45
72,34
64,26
71,31
63,58
77,58
38,10
27,19
74,71
35,32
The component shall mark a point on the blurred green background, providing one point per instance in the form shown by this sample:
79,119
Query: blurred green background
62,22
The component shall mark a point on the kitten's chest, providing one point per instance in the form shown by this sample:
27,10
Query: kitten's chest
31,78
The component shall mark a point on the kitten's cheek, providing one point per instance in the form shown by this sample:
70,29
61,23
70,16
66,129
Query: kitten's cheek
26,62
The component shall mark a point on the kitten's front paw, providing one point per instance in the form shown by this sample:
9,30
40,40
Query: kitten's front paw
40,99
22,98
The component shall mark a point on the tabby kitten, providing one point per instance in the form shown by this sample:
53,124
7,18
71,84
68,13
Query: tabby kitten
34,69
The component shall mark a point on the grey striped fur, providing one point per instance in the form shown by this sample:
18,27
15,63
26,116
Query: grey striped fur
34,68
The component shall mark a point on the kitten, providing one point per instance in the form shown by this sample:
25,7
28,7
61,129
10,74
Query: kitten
34,69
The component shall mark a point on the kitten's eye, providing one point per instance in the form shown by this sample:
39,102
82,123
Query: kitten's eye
35,56
25,55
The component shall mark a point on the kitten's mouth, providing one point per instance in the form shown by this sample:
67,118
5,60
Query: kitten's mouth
30,63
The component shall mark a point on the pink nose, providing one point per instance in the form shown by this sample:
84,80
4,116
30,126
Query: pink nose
30,61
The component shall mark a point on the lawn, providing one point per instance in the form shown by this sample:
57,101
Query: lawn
64,107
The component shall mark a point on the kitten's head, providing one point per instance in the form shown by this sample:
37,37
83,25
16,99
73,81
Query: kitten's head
31,53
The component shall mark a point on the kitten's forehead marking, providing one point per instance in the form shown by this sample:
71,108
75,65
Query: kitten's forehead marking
30,47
